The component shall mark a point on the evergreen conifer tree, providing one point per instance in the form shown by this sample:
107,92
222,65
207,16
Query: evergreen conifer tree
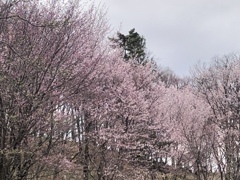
134,46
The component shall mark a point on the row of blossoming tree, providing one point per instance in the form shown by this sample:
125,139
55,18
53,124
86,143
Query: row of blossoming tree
71,106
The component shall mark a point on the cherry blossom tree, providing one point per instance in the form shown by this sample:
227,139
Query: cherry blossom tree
47,52
189,128
121,112
218,84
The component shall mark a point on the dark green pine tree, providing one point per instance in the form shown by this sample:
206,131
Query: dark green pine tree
133,44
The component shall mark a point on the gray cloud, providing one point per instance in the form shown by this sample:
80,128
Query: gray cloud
180,32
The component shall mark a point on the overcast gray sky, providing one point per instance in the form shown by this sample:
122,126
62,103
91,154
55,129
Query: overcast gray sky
179,33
